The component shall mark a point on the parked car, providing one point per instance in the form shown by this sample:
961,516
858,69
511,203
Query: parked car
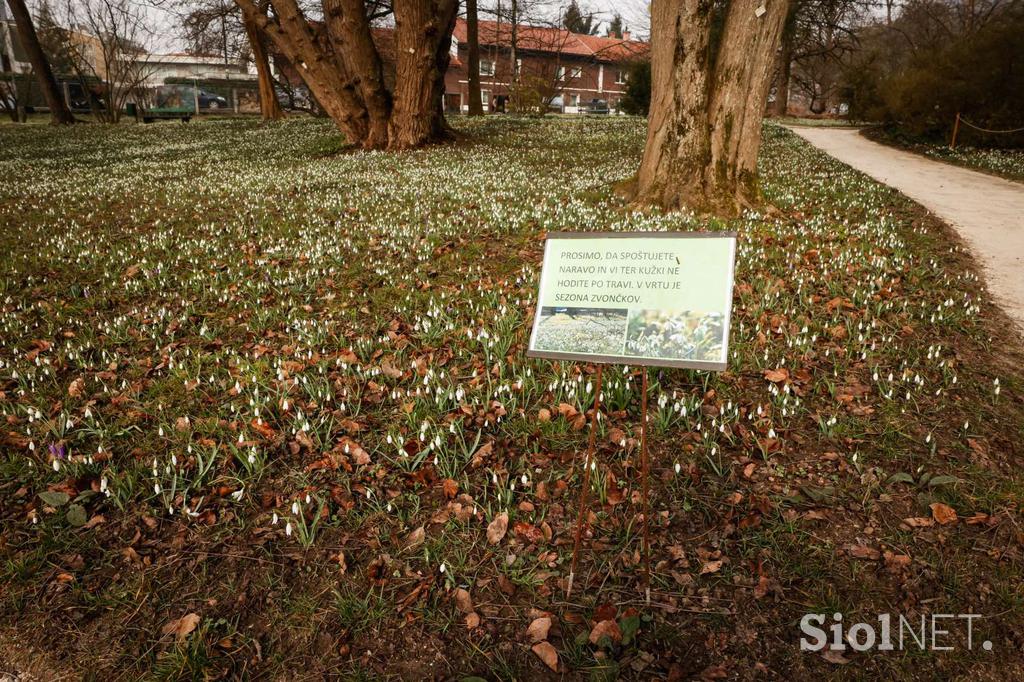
210,100
556,104
596,106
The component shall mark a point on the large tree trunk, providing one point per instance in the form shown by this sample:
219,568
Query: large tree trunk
476,105
350,27
423,30
270,108
784,65
59,112
705,119
340,64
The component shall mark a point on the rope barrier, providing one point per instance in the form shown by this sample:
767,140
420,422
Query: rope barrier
986,130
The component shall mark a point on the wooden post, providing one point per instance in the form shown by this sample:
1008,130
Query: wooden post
956,129
644,474
585,493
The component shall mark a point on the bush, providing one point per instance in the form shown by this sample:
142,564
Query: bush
637,99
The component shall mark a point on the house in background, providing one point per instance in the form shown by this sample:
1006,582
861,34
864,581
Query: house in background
568,70
572,68
13,59
180,66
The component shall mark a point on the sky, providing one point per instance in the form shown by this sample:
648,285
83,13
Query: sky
164,22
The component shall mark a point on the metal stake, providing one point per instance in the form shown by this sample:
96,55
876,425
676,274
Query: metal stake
644,468
585,493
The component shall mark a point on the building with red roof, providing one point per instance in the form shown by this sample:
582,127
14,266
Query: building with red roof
570,69
558,69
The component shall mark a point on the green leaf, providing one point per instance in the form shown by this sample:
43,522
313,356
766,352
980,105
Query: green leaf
901,477
629,626
818,494
54,499
76,515
942,480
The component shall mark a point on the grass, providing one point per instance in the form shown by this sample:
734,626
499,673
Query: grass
1006,163
287,385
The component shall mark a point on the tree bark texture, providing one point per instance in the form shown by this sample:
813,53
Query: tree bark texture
339,62
476,105
704,128
270,108
784,65
60,114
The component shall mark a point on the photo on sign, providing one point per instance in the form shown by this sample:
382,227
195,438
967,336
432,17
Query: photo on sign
581,330
684,335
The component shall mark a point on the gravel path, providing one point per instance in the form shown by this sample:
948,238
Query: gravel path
987,211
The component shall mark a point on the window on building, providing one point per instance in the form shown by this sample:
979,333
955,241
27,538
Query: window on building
486,67
620,77
560,73
485,97
576,72
574,100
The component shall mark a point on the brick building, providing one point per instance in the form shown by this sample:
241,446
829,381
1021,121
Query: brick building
569,69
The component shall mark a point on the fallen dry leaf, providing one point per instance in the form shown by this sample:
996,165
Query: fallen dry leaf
776,376
497,528
836,657
538,629
415,538
711,567
943,513
463,602
863,552
606,628
182,627
547,653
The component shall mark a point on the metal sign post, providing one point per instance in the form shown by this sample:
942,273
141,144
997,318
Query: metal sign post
636,298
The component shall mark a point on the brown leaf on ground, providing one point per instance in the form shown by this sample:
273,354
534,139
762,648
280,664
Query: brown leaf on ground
711,567
451,488
606,628
497,528
776,376
182,627
863,552
538,630
919,521
76,387
463,602
472,620
835,657
544,414
762,587
415,538
547,653
943,513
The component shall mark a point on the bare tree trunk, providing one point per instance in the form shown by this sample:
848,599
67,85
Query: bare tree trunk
705,122
784,66
476,106
678,142
270,108
350,27
340,64
423,30
59,112
318,67
513,41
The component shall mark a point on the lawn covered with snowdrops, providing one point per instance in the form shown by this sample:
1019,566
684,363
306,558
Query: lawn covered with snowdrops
265,411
